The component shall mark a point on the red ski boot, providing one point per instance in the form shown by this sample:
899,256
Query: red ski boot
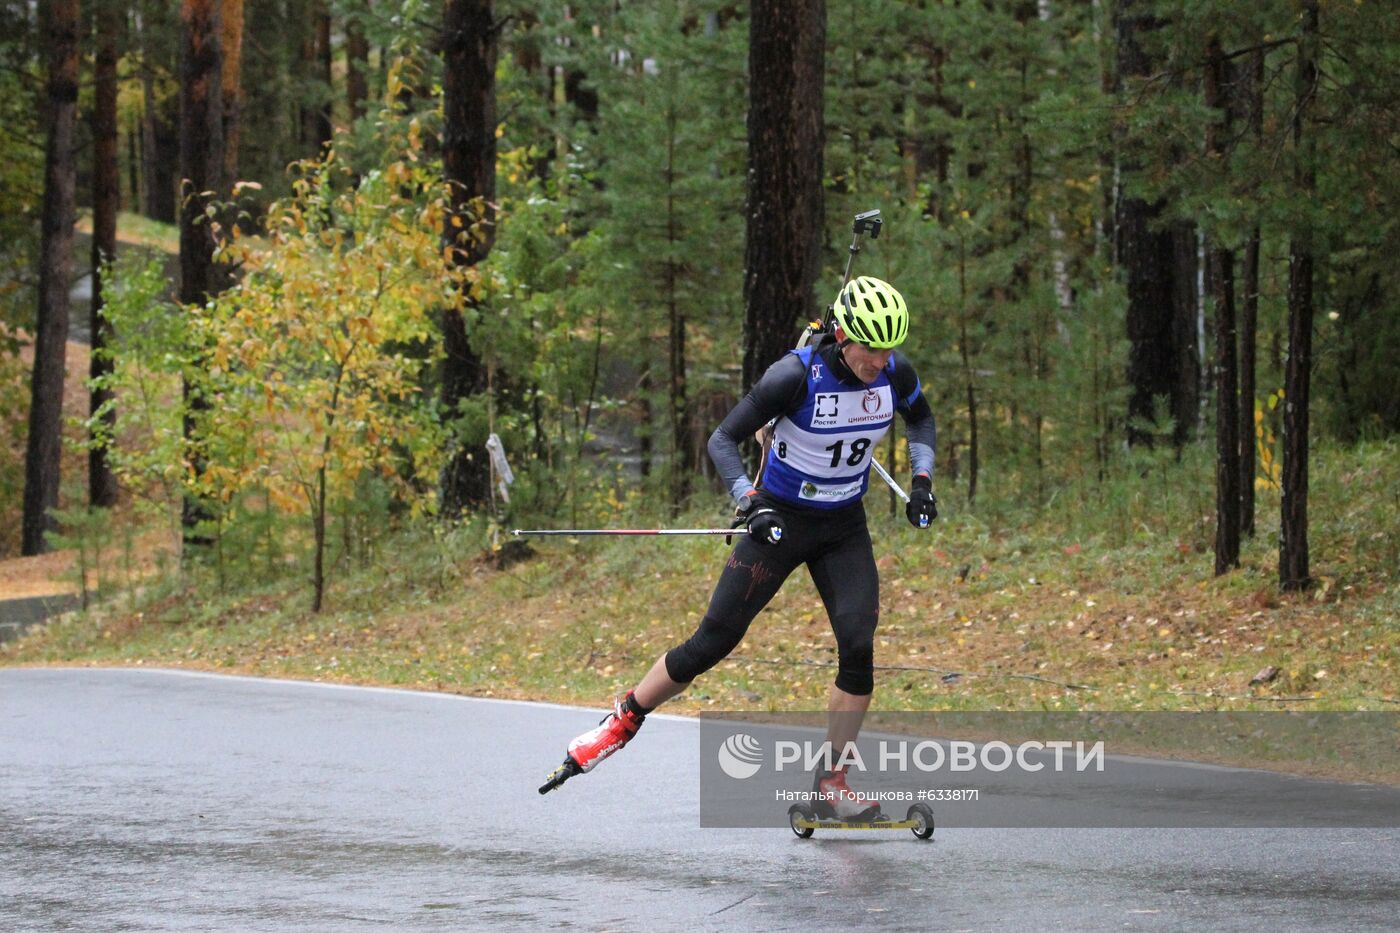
836,801
586,751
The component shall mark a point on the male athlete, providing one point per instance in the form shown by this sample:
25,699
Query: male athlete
833,400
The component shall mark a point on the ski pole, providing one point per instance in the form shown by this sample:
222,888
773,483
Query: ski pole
571,532
875,465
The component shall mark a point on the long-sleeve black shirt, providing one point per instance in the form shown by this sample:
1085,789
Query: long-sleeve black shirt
783,388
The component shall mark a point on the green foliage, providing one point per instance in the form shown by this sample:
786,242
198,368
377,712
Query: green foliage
618,236
86,532
14,408
150,354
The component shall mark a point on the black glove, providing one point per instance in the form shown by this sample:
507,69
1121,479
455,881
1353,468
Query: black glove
765,525
922,507
762,523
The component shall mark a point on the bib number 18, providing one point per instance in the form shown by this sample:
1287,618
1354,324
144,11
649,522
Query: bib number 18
858,449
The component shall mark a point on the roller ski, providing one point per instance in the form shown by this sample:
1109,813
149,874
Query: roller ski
836,806
588,750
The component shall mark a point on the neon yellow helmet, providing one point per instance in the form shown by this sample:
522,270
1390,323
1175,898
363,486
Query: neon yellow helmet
872,312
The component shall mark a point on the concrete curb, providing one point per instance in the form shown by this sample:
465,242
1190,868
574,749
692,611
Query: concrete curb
17,616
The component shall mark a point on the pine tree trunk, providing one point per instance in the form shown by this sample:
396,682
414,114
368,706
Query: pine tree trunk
231,47
1105,229
469,164
965,351
318,544
782,252
45,440
133,166
315,70
1221,269
201,145
160,141
1227,444
201,165
1186,334
928,154
1249,318
1249,329
644,415
1148,257
1293,543
356,67
682,453
106,200
644,428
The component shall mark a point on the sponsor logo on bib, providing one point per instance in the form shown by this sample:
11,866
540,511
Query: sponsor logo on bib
811,490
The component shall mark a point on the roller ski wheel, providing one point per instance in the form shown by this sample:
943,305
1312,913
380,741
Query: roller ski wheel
921,815
801,818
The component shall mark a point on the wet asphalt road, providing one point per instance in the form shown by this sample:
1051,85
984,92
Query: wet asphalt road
156,800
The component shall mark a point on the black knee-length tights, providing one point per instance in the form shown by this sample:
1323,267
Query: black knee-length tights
835,546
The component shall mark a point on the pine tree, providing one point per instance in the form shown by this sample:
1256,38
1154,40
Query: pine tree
469,168
201,184
1153,256
44,444
231,83
1293,544
782,254
106,201
1217,86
